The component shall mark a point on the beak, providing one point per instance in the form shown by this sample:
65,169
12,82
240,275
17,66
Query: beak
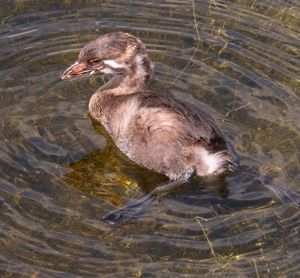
77,69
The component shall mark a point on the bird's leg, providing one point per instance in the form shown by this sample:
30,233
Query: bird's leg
139,206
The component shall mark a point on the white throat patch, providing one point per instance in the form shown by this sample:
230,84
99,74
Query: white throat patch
113,64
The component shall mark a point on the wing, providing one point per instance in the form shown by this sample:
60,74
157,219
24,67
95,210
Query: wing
195,124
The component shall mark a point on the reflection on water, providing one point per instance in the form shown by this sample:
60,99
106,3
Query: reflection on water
59,173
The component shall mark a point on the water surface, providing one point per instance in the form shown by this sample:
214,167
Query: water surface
60,173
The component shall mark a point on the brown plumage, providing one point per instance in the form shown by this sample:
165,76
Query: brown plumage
174,138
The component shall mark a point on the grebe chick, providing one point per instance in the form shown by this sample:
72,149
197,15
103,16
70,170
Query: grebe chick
163,134
168,136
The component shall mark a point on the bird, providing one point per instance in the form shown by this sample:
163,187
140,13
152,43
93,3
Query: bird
175,138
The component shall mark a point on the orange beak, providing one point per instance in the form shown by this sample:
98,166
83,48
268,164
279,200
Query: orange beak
77,69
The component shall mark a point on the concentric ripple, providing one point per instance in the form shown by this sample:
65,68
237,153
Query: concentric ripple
60,173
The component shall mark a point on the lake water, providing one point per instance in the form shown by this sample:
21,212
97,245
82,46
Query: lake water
60,173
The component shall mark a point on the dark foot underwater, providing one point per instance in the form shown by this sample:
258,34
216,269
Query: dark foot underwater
140,206
137,208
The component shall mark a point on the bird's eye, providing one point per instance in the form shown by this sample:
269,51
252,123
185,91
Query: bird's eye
95,62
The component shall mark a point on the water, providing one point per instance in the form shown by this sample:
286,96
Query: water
59,173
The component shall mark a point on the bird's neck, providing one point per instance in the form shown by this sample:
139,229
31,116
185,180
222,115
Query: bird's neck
134,78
